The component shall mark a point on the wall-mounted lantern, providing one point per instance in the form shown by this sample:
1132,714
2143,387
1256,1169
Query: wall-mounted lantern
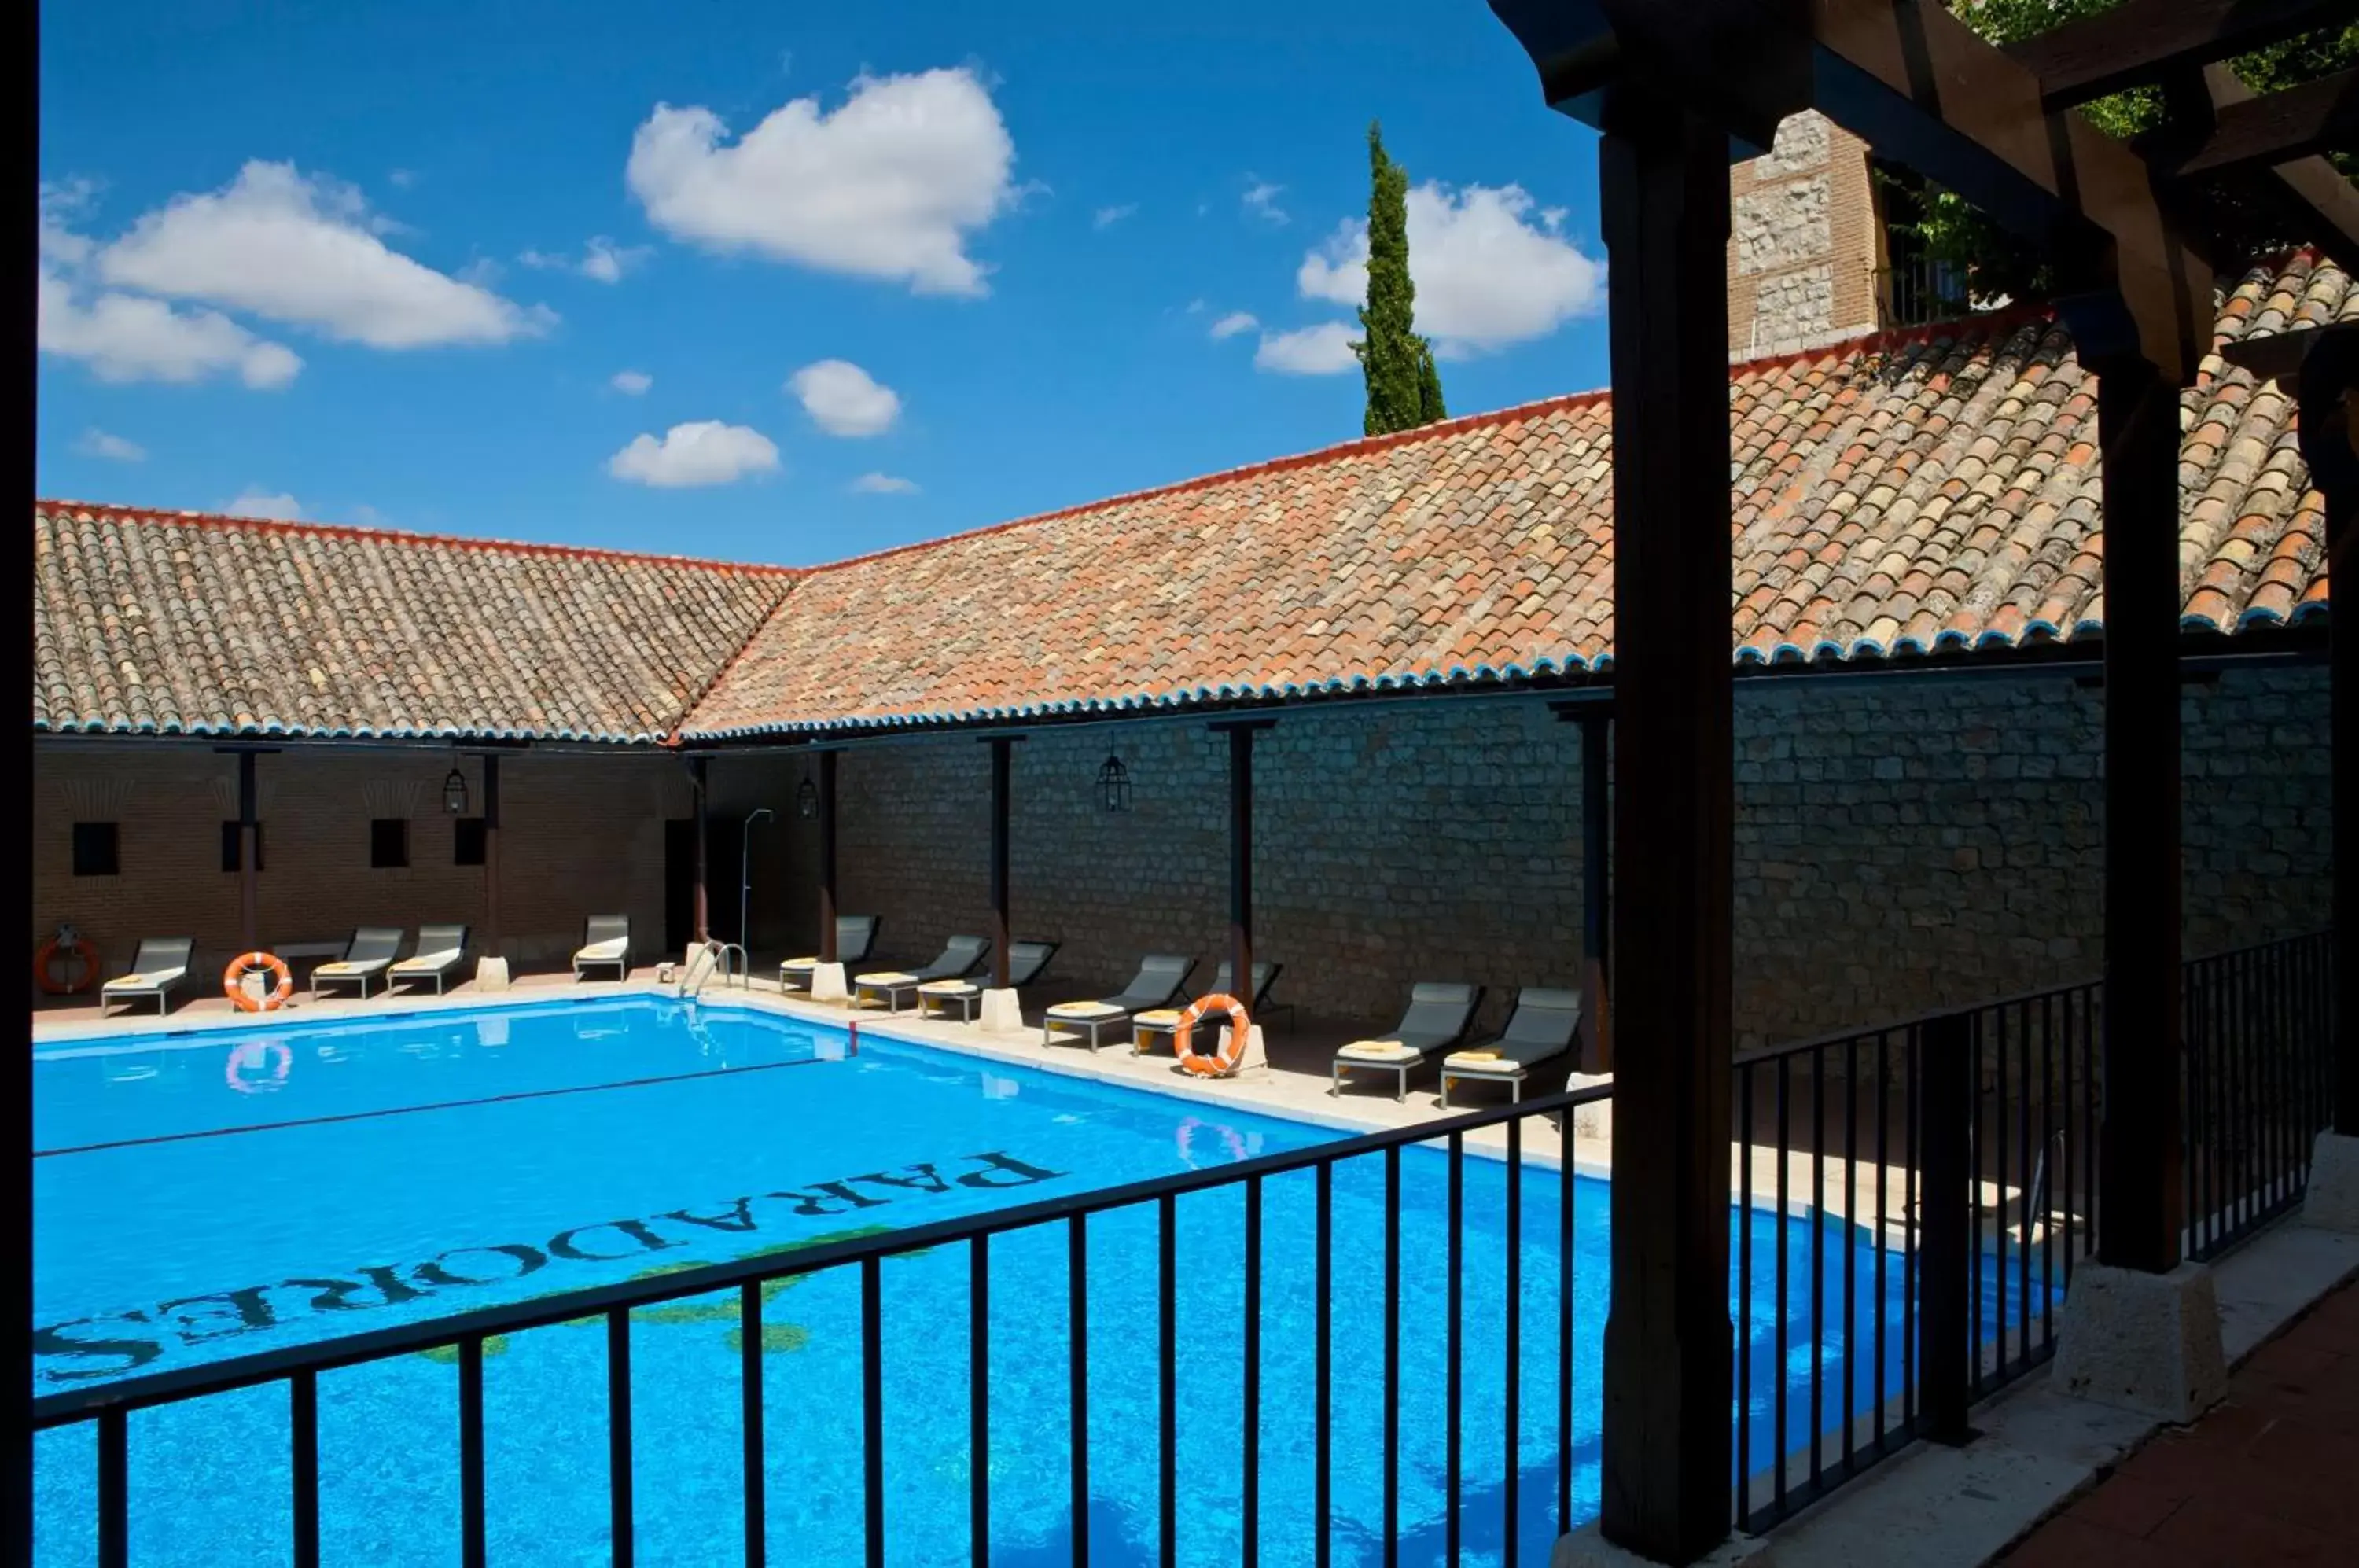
806,799
1113,784
455,794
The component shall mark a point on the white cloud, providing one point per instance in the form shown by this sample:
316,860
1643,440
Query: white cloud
1491,267
705,452
844,399
1107,217
308,252
1261,199
883,484
1323,350
403,179
602,260
128,337
1233,324
631,382
892,184
95,443
253,501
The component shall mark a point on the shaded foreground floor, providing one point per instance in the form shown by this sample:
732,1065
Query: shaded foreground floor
2271,1476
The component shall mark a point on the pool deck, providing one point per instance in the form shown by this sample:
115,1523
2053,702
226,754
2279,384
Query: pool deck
1294,1084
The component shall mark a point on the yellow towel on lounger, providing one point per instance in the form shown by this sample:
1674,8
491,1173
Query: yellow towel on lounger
1475,1056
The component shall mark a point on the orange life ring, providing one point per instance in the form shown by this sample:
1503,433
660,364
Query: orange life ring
66,945
233,982
1223,1063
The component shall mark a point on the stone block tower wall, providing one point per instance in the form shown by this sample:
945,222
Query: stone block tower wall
1806,242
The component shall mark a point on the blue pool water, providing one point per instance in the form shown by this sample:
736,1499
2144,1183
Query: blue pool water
204,1196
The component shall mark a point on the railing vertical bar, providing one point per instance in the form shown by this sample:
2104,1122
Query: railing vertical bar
1077,1370
113,1488
2023,1183
1166,1292
1250,1476
2199,1075
2048,1166
1745,1089
871,1401
1392,1355
619,1477
1850,1257
978,1400
751,1423
2281,1076
1322,1351
1818,1256
2073,1208
303,1424
1452,1372
1566,1184
1778,1439
1977,1150
1911,1366
1882,1182
470,1451
1515,1351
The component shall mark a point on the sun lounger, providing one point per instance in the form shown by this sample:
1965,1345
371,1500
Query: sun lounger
855,936
605,944
159,965
1156,985
1162,1024
440,948
959,958
1542,1027
1439,1012
1026,960
368,957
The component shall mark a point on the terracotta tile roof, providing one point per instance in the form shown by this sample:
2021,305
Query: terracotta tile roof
181,624
1910,495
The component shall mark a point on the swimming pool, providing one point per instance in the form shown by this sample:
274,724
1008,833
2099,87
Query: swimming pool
203,1196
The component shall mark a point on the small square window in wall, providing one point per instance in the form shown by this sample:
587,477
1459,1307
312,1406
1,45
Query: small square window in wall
467,841
229,847
95,850
388,842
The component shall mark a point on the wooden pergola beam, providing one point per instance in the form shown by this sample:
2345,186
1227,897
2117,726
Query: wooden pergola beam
2276,127
2141,41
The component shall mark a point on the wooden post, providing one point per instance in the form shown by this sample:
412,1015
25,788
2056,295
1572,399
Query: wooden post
697,782
827,857
1241,791
249,854
2138,1158
491,855
1002,750
1667,1444
2329,377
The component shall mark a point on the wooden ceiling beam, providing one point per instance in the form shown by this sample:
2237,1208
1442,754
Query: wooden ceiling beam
2141,41
2276,127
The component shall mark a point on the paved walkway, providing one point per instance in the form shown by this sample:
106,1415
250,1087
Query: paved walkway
2269,1477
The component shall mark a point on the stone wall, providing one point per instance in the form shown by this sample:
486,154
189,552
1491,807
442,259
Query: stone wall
1901,843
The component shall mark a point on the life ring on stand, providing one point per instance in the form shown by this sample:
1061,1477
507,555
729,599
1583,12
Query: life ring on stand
255,1053
1223,1062
233,982
70,945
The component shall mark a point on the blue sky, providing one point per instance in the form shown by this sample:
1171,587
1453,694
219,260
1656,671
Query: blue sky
888,270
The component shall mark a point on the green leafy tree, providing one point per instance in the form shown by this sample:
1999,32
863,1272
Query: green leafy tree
1404,388
1947,228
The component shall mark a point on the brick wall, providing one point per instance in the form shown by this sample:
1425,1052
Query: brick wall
1900,843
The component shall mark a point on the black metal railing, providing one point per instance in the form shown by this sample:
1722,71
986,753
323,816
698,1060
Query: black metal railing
1490,1372
1945,1163
1916,290
1910,1202
2259,1083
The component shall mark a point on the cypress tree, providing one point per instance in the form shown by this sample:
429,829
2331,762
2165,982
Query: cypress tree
1404,388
